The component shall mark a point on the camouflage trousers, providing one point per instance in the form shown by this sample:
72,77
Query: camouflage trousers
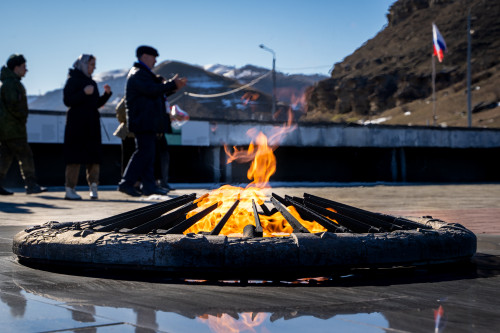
19,150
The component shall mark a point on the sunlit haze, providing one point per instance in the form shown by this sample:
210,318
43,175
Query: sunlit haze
307,36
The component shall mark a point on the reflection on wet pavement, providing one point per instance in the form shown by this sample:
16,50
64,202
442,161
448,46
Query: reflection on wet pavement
31,313
375,301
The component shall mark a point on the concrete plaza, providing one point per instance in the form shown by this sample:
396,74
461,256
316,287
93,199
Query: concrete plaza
445,299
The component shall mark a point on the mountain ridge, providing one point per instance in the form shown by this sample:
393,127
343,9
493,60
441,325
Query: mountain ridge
250,103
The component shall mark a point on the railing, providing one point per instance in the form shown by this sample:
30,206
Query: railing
48,127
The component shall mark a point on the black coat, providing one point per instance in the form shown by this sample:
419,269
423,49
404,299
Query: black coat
145,95
82,135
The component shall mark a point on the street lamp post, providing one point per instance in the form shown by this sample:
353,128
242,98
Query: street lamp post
262,46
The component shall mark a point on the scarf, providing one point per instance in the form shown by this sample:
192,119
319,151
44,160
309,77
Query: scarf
82,64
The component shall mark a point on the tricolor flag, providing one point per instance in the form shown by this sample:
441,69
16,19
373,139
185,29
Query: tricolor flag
439,43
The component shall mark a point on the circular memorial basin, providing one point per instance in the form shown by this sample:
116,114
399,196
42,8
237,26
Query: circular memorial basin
217,256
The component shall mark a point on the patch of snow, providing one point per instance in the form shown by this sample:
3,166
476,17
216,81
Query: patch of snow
375,121
230,74
110,75
245,73
158,197
219,69
231,71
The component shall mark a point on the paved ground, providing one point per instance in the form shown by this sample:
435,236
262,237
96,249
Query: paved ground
474,206
403,300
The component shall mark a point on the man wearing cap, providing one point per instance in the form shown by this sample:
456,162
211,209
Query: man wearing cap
147,118
13,118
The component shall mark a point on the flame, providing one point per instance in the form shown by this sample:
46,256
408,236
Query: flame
298,102
263,165
247,322
332,210
249,97
227,195
438,319
261,153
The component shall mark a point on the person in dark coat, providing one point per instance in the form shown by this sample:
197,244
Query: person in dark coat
13,117
147,118
162,157
82,135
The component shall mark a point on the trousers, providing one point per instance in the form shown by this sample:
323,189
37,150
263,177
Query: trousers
162,160
128,148
141,164
19,150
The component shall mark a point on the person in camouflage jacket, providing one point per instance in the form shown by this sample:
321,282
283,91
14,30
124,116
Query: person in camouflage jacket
13,118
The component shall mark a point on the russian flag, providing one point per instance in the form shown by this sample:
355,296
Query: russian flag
439,43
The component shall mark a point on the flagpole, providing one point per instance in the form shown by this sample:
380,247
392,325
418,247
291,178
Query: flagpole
469,99
433,89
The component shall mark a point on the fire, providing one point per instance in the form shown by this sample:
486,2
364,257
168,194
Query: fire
261,153
263,165
249,97
438,319
332,210
298,102
247,322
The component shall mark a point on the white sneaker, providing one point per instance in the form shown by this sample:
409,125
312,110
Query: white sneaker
71,194
93,191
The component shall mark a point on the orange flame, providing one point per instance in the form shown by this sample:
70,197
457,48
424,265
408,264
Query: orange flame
297,102
247,321
438,319
332,210
249,97
263,166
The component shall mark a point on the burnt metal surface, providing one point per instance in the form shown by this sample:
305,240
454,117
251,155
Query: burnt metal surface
134,240
226,217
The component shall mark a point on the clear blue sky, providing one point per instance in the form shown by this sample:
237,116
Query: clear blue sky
307,36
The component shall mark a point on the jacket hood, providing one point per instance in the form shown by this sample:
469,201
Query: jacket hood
7,74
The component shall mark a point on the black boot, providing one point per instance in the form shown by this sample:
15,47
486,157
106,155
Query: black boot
5,192
35,188
32,186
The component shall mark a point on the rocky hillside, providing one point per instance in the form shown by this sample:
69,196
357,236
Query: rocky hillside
388,79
